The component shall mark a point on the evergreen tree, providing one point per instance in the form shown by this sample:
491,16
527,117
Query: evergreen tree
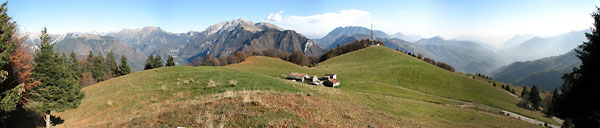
58,90
111,64
74,64
89,66
534,97
550,110
63,57
9,95
580,98
524,100
157,63
124,68
149,63
507,88
99,68
524,93
170,61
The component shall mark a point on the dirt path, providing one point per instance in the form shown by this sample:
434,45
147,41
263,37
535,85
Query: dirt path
523,118
511,94
511,114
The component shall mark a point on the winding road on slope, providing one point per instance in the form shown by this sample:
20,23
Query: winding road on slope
504,112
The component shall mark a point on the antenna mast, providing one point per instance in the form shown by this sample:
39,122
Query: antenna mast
371,31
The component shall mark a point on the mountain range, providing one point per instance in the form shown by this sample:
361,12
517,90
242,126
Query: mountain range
546,73
465,56
540,47
227,37
341,32
221,39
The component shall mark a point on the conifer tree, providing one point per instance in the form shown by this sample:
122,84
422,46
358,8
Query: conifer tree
170,61
89,66
157,61
579,99
111,64
58,90
550,110
124,68
99,68
534,97
524,93
9,95
74,64
149,63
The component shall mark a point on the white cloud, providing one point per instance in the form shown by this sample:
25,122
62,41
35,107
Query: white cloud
274,16
318,25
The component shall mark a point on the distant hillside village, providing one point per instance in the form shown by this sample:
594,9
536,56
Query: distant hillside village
329,80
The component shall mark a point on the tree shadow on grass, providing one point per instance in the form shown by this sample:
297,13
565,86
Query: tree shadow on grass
21,118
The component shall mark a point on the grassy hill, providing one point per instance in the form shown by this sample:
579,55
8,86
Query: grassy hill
379,87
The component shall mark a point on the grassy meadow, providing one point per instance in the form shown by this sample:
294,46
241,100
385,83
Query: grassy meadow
380,87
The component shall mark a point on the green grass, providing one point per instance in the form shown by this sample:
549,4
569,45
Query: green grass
379,88
153,90
357,70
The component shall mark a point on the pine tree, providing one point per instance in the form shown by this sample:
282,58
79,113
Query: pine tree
157,63
111,64
170,61
524,100
149,63
9,95
580,98
58,90
74,64
550,110
524,93
534,97
99,68
89,66
124,68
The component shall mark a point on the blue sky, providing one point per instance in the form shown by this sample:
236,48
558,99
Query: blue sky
313,18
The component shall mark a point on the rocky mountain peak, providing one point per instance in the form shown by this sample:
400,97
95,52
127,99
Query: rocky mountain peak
243,23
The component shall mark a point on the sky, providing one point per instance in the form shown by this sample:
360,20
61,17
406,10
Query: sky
494,20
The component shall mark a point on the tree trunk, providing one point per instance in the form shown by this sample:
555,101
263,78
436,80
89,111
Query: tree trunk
47,119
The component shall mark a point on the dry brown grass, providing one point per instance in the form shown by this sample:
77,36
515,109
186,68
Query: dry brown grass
232,83
233,108
211,84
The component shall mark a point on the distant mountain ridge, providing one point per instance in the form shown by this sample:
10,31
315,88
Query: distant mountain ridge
220,39
153,40
471,59
465,56
338,32
230,36
546,73
82,44
437,40
540,47
411,38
